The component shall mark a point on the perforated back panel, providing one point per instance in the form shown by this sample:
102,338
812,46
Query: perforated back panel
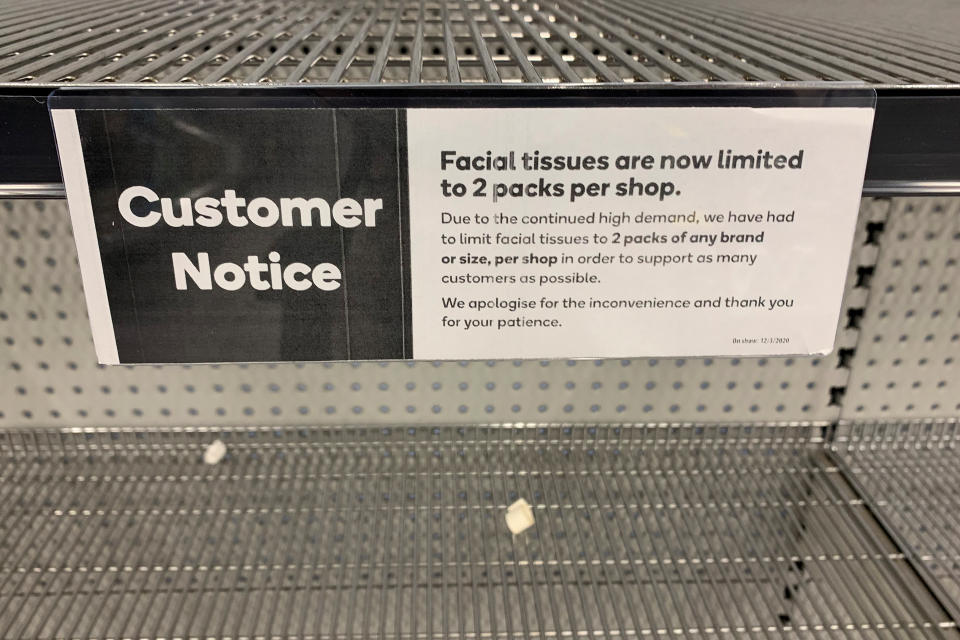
907,363
51,376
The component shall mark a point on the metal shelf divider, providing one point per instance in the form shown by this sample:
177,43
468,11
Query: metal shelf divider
906,473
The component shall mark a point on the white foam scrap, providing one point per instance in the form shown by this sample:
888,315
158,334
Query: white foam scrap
519,516
214,452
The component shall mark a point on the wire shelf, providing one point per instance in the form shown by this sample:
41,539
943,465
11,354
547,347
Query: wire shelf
695,532
47,45
278,41
909,473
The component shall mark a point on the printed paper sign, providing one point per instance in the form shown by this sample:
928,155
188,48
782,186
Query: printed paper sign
435,232
643,231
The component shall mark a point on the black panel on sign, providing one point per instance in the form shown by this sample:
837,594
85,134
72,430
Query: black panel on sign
260,153
373,281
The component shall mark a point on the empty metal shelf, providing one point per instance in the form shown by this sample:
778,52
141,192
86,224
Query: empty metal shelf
909,474
641,531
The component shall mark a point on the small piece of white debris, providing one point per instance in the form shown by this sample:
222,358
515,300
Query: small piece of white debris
215,452
519,517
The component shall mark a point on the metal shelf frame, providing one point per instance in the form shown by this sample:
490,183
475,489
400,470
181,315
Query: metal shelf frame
817,529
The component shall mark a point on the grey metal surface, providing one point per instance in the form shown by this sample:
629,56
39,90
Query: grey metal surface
907,360
693,532
33,191
919,19
51,377
278,41
909,472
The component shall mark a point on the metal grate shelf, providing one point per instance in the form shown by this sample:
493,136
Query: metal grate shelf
280,43
216,41
908,473
696,532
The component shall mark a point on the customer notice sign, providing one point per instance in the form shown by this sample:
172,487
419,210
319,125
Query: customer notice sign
376,223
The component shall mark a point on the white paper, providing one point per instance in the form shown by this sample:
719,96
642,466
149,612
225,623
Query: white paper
85,234
793,231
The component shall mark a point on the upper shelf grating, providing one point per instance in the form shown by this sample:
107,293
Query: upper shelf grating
397,41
